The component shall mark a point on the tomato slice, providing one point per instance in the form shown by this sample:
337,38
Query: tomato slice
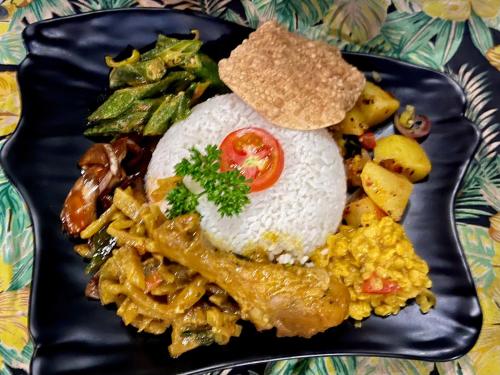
379,285
256,153
368,140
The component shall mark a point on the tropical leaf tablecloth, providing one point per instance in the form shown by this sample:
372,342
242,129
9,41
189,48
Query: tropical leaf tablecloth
458,37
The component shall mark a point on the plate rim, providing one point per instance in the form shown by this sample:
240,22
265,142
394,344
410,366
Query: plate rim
28,34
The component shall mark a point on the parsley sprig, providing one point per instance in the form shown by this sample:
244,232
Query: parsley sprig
227,190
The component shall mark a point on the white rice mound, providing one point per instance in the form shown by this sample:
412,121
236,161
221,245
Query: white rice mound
289,219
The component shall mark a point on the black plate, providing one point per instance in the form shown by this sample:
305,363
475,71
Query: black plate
63,79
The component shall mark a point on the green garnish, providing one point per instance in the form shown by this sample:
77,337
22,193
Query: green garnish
227,190
182,201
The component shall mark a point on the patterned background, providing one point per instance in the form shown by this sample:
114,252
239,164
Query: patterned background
458,37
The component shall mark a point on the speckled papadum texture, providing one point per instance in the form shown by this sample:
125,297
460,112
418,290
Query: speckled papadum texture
292,81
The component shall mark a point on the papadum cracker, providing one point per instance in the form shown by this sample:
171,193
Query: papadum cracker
292,81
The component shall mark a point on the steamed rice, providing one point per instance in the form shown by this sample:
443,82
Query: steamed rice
291,218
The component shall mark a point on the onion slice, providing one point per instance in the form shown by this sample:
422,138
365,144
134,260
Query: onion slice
418,127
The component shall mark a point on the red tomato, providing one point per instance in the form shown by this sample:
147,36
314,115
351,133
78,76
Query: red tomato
368,140
378,285
256,154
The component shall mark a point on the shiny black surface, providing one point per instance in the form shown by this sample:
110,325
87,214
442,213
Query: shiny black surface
63,79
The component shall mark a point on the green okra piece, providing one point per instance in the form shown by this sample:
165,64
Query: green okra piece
117,103
125,124
206,69
180,85
155,89
170,110
146,105
121,100
180,53
183,108
138,73
162,43
156,64
162,117
196,90
132,121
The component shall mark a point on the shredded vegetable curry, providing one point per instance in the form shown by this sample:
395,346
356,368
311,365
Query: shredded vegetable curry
163,274
153,293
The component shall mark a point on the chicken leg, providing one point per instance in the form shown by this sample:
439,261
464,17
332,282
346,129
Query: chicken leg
296,300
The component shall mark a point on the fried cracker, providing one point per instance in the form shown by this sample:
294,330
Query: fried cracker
292,81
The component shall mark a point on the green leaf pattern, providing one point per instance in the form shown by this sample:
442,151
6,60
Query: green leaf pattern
479,194
480,250
296,15
480,33
448,41
406,6
382,366
92,5
493,23
38,10
405,33
213,8
16,246
462,366
356,21
11,48
324,365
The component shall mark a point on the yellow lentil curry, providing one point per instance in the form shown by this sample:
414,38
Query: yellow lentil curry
379,266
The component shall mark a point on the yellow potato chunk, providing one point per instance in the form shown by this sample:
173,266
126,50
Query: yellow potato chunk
354,122
356,209
405,152
373,106
388,190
